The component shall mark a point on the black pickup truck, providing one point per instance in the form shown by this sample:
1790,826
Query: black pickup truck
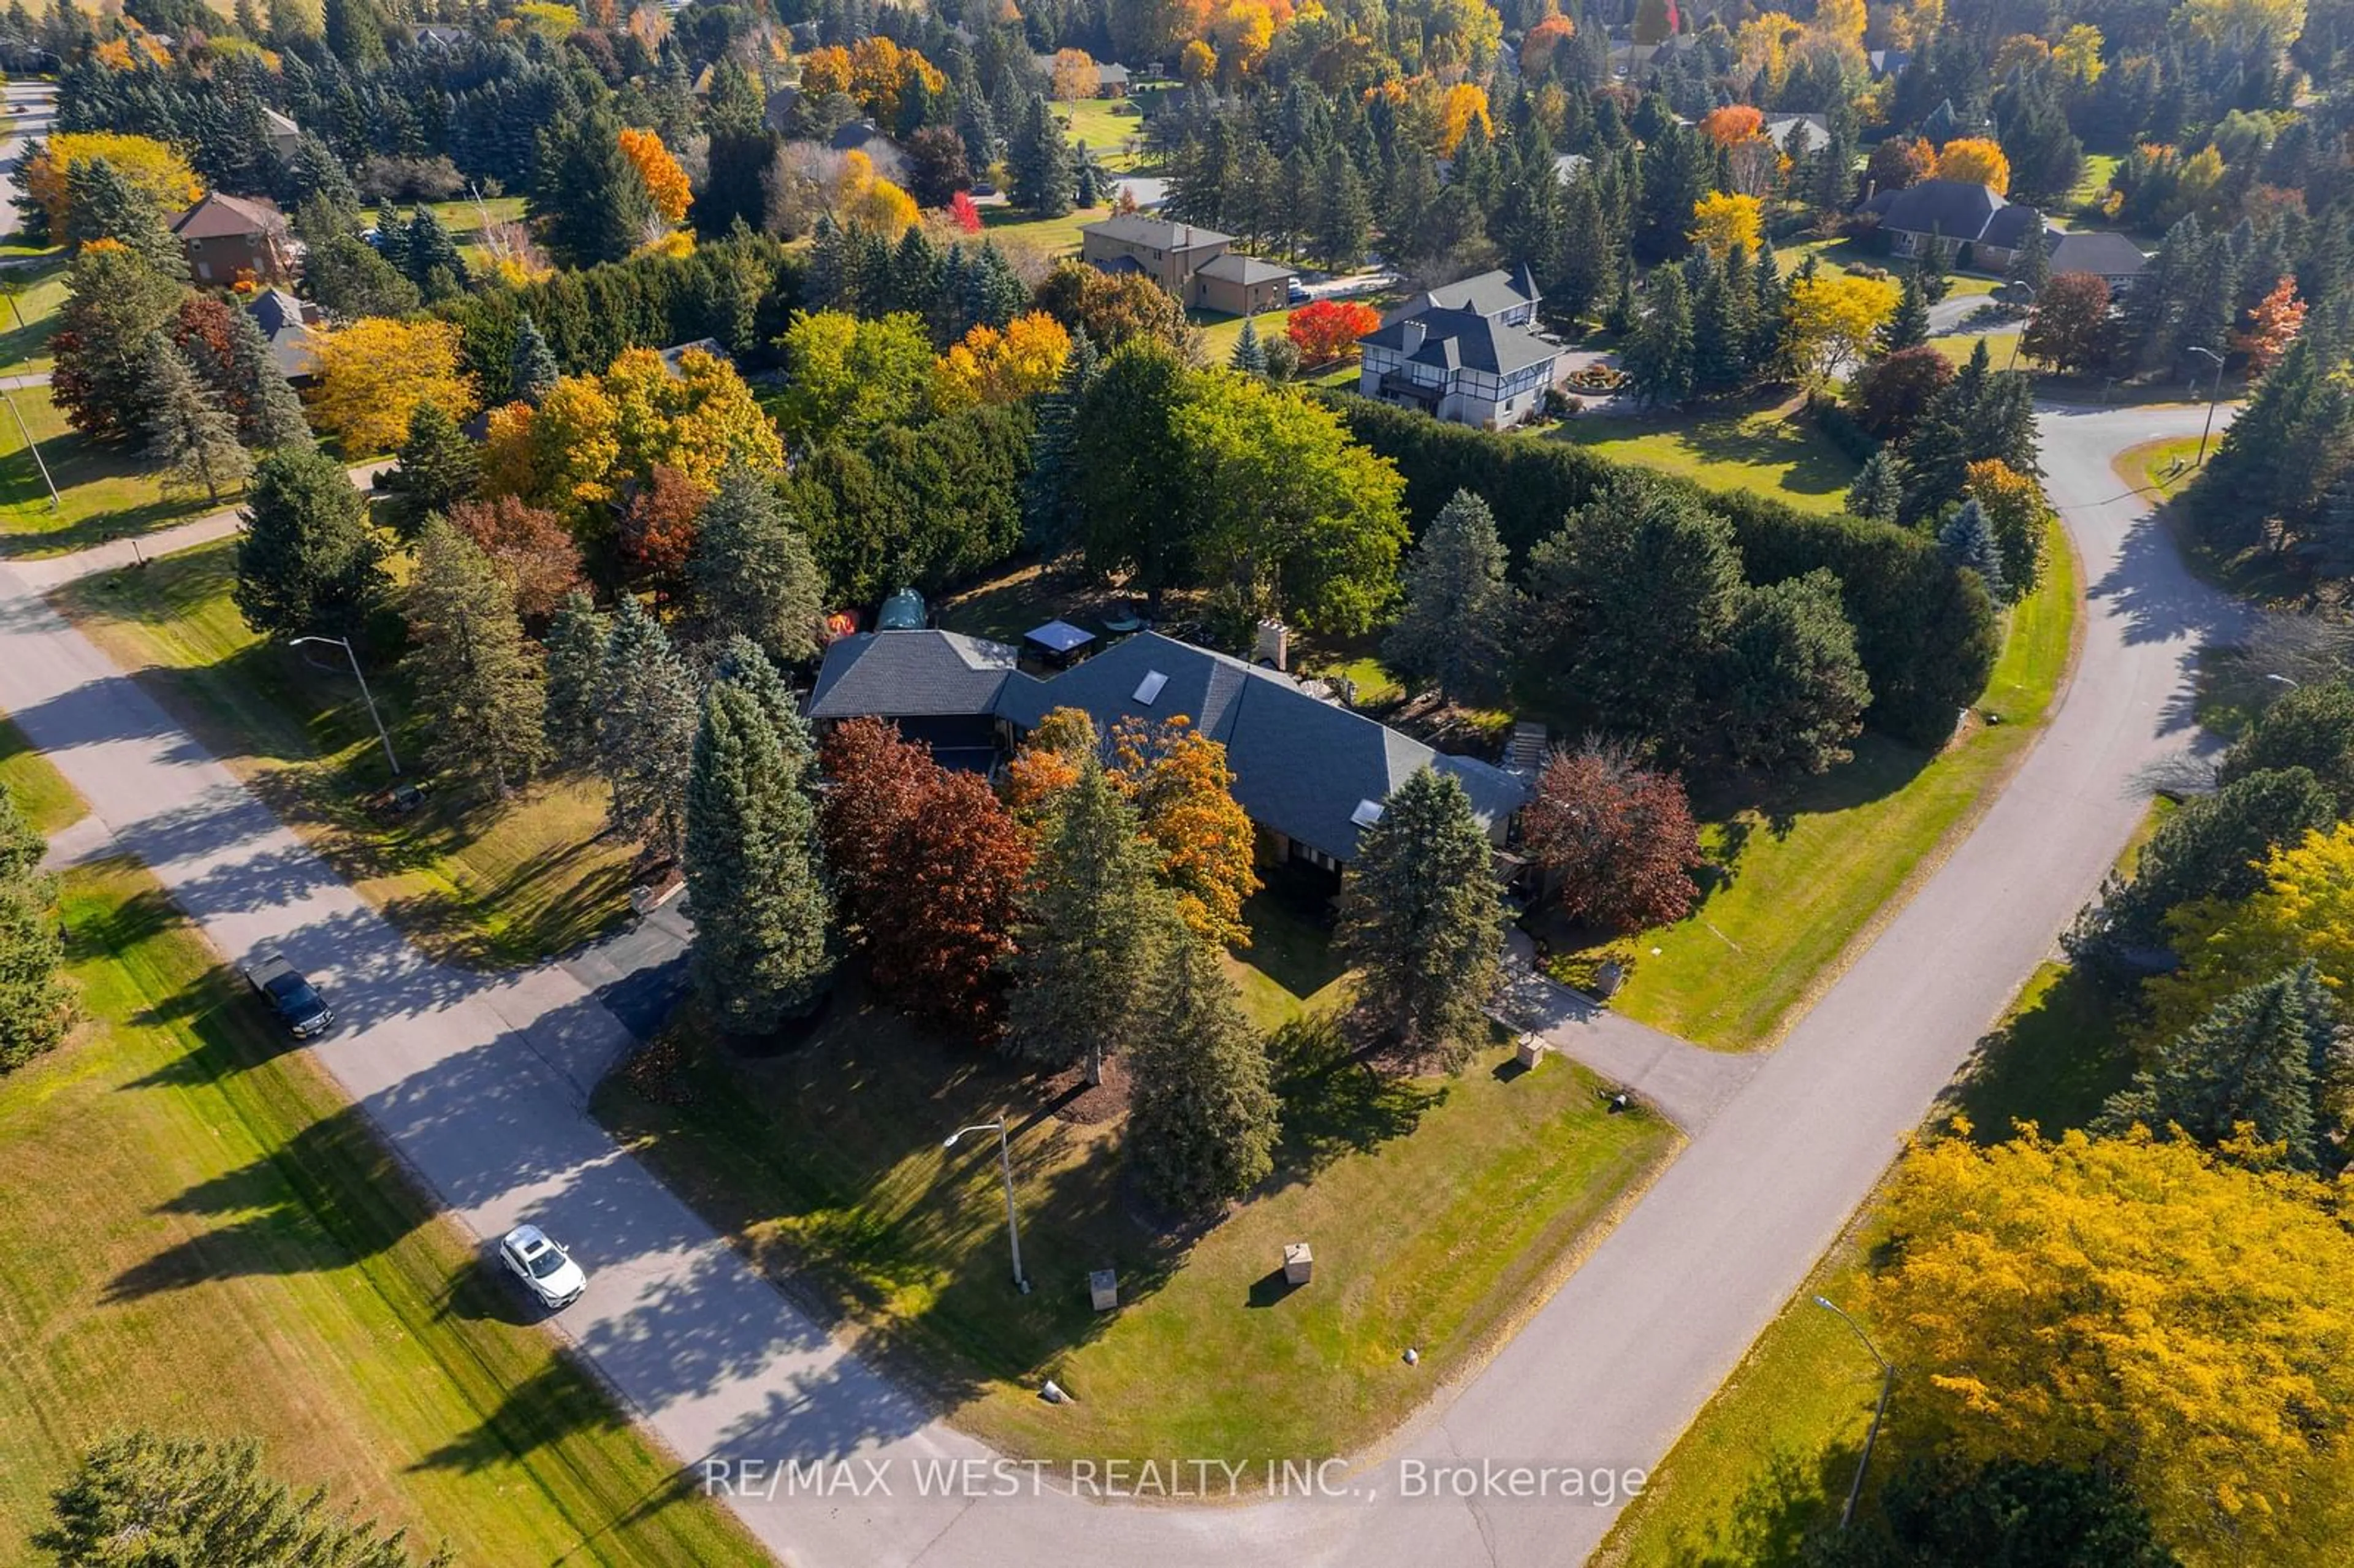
290,996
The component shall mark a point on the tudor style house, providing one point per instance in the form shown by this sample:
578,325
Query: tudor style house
1199,266
1309,774
1464,351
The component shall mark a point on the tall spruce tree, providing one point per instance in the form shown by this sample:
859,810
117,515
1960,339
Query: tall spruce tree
1878,490
2264,1057
1422,916
763,948
1659,356
190,436
1250,355
575,676
478,683
1908,325
36,1004
1202,1119
306,561
269,413
1049,520
1039,164
1093,935
1344,214
105,205
2031,265
588,198
1794,687
646,729
752,572
1458,621
532,369
1968,540
439,468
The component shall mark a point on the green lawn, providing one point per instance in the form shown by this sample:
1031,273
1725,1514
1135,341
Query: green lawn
1107,125
1775,452
1957,347
41,792
1814,871
464,219
31,317
106,489
1772,1454
205,1239
1221,332
469,882
2099,169
1055,236
2166,469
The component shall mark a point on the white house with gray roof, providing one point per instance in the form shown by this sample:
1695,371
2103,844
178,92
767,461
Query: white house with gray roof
1464,352
1311,775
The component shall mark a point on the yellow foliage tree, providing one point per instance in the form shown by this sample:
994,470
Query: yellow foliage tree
695,420
1975,161
548,18
1721,220
666,181
2078,54
1074,75
882,72
1464,103
1047,764
825,70
2218,20
2136,1305
153,166
1197,61
862,200
1831,320
374,372
993,367
1844,20
1764,45
1184,800
2304,910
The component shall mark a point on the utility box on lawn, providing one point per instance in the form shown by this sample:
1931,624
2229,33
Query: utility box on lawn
1529,1052
1299,1263
1103,1289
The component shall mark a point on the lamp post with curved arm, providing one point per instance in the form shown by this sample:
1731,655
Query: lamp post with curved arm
2213,393
1887,1386
1005,1168
366,696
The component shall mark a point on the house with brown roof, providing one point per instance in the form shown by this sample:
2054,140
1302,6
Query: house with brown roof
1197,265
228,236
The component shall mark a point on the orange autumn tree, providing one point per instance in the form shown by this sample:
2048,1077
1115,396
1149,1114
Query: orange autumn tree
1183,792
1046,765
2273,325
666,181
1733,125
1327,329
1538,48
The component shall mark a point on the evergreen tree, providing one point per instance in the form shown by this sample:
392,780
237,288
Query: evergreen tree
1878,491
115,304
1089,188
588,199
36,1005
306,561
1768,310
1345,215
1421,915
752,572
1047,519
2253,1060
576,673
269,413
1458,620
1093,935
138,1500
1796,688
103,205
432,260
1659,356
646,729
763,951
1250,355
1039,163
2031,265
1720,357
190,436
437,468
1981,414
1201,1121
532,369
478,686
1967,540
1908,325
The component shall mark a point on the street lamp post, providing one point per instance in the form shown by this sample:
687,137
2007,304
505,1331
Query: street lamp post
33,447
1005,1168
366,696
2284,680
1887,1386
2213,393
2029,292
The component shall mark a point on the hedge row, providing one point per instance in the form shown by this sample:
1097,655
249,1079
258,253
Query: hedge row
1927,633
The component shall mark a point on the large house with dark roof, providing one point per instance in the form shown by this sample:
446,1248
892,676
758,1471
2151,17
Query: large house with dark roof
1311,775
1987,232
1463,352
1198,265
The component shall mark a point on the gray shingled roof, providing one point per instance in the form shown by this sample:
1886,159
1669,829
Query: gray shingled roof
2108,255
1462,340
1135,229
1243,270
1301,766
1955,210
1490,294
909,674
2007,228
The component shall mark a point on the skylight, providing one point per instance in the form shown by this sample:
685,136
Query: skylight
1367,814
1149,687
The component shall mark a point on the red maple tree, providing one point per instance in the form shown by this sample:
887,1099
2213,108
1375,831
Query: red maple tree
530,547
658,531
931,869
1616,839
964,212
1327,329
2273,325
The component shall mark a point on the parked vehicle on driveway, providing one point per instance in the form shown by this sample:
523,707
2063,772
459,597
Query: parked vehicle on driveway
546,1269
297,1005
